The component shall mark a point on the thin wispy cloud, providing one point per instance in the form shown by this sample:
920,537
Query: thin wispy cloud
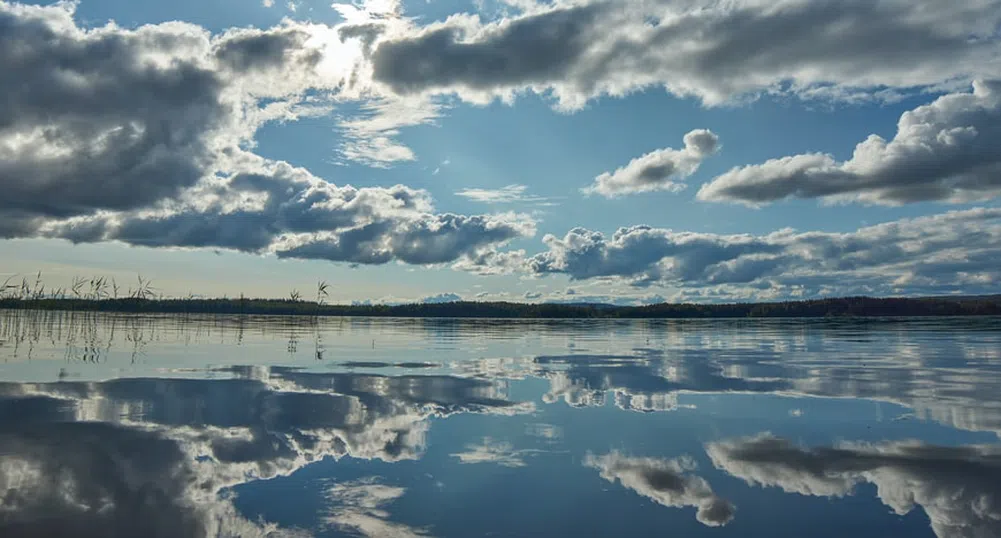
510,194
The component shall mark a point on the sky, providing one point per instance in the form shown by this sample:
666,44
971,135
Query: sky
571,150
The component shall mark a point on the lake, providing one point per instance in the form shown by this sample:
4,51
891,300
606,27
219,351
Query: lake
126,425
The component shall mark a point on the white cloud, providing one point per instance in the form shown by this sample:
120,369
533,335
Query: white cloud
370,135
660,170
505,195
945,151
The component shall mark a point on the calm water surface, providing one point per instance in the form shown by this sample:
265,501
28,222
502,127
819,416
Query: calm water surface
253,426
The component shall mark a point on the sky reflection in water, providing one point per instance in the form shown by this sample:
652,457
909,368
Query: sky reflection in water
227,426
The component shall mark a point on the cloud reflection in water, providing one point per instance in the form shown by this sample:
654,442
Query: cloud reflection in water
154,457
959,487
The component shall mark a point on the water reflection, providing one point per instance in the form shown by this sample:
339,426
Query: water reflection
959,488
646,381
147,425
360,508
150,457
666,481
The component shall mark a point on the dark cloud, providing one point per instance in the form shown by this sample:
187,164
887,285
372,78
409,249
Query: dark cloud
140,136
288,211
91,120
945,251
666,482
714,52
528,50
253,49
958,486
945,151
430,239
366,32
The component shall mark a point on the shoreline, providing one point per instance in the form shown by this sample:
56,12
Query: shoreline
813,308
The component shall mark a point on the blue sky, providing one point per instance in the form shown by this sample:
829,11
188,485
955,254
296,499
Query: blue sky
215,156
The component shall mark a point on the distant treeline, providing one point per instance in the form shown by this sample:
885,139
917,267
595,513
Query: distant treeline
837,307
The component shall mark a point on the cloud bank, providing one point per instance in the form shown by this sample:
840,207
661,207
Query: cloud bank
939,253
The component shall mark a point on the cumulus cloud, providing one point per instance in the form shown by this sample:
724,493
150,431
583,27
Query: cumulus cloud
575,51
286,211
938,253
956,486
435,239
579,50
946,151
400,73
660,170
97,120
492,262
665,481
141,136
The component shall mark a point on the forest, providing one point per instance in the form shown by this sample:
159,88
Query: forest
831,307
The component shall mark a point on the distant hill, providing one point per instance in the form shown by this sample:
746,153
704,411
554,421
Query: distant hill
840,307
